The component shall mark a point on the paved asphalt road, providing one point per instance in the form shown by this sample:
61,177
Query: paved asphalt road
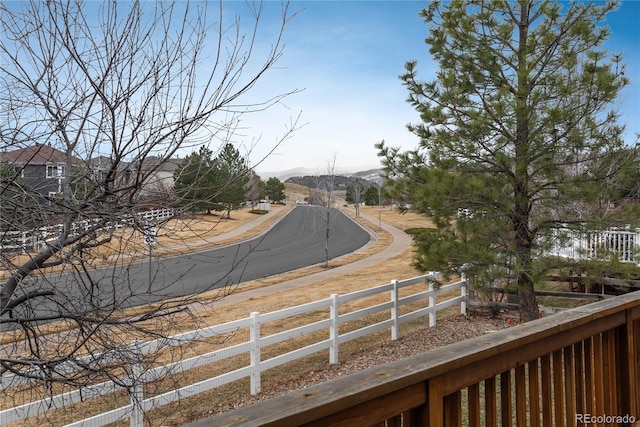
296,241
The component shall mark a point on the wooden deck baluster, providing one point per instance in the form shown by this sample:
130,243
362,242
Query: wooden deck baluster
580,390
558,388
490,402
569,385
534,393
521,396
547,406
505,399
473,403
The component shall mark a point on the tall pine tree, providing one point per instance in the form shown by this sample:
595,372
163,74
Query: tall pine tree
274,190
517,136
194,181
231,179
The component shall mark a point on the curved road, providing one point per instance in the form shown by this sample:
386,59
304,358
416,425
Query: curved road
296,241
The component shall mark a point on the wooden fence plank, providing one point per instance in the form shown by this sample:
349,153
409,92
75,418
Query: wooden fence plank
436,402
580,391
534,393
598,384
418,417
491,413
453,410
521,396
635,363
609,375
393,422
473,403
569,385
506,407
558,388
547,403
623,378
589,379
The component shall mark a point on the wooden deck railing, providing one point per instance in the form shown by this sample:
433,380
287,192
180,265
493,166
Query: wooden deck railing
579,367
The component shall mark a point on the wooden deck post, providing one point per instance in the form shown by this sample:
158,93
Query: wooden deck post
436,402
626,343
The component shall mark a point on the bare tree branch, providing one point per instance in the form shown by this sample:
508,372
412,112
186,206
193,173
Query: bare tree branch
98,101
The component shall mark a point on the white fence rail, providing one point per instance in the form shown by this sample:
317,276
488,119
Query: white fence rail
23,241
623,244
334,309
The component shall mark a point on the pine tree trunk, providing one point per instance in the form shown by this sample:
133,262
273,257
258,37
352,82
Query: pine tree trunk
523,237
527,301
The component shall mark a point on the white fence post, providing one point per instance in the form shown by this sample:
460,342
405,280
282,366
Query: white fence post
394,310
136,392
254,337
334,331
463,294
432,306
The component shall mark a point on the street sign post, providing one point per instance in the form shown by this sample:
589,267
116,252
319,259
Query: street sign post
150,233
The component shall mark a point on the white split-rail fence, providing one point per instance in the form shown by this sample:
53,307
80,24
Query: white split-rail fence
623,243
424,303
24,241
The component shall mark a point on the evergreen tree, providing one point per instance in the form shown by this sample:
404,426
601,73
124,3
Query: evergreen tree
231,179
372,196
194,181
274,190
516,134
626,187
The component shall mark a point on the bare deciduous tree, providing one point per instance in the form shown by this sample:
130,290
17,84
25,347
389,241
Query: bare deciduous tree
325,197
101,97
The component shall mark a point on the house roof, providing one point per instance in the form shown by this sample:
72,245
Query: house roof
36,155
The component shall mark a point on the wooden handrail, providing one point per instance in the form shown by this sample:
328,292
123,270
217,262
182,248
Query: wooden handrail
584,362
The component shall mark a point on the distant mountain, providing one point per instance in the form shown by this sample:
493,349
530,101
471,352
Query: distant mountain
373,175
368,178
319,181
286,174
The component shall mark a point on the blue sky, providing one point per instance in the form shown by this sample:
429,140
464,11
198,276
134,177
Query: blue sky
346,57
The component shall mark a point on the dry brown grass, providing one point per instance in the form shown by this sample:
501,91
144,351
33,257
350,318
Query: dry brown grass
186,233
398,267
212,312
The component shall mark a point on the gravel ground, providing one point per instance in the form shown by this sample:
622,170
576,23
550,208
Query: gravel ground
446,331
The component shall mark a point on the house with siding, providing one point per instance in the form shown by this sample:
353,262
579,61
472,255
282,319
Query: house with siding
43,168
157,173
